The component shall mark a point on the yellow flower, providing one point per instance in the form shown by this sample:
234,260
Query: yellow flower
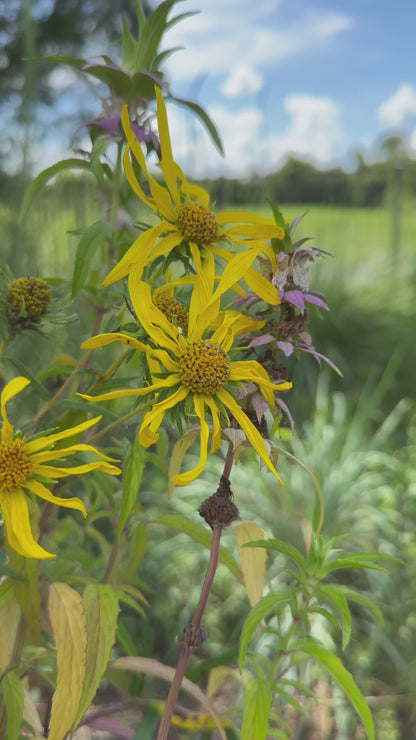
195,365
23,463
186,217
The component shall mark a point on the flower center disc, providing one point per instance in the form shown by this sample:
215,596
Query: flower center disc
173,310
197,223
15,466
204,367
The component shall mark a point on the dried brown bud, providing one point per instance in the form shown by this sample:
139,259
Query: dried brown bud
219,509
194,636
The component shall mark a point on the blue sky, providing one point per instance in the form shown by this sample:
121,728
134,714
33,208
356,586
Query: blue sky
315,78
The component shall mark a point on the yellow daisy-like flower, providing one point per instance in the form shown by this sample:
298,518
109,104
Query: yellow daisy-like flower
195,364
24,462
186,217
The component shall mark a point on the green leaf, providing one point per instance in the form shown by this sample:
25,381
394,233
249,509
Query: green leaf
92,239
151,34
205,120
355,560
134,458
285,548
27,590
40,181
200,534
68,625
256,614
100,604
343,678
359,598
13,700
334,595
257,702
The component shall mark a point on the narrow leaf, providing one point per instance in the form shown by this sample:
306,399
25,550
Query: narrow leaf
134,457
200,534
40,181
345,680
68,626
101,608
285,548
91,240
13,699
205,119
257,613
257,702
27,590
253,560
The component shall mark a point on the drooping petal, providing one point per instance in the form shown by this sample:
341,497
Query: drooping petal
40,490
125,393
16,521
252,434
153,418
101,340
136,255
154,322
216,426
182,479
12,388
42,457
40,443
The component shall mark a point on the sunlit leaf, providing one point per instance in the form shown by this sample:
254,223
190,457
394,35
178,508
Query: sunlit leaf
13,700
257,702
27,590
344,679
69,630
100,604
40,181
256,614
134,456
253,560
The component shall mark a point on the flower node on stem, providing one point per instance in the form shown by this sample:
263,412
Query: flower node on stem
194,636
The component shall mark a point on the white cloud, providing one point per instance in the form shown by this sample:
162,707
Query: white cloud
226,34
243,79
314,130
399,110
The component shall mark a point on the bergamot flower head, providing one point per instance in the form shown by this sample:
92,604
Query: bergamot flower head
24,463
186,217
196,366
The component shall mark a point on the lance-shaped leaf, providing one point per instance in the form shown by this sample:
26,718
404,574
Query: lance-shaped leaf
68,625
40,181
257,613
101,608
257,702
13,700
253,560
92,239
134,456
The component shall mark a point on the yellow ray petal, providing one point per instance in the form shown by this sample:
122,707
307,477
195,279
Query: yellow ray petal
69,503
16,521
137,254
42,457
125,393
12,388
153,419
154,322
167,164
101,340
216,427
167,243
252,434
184,478
230,217
49,439
257,231
54,472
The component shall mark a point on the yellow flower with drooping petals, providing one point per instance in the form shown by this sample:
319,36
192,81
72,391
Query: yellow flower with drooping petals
186,218
195,364
24,463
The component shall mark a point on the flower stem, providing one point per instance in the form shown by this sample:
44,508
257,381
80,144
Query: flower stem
186,651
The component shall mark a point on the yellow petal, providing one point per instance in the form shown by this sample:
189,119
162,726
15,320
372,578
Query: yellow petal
232,217
252,434
125,393
167,243
53,472
16,521
101,340
257,231
69,503
49,439
216,427
42,457
167,164
184,478
153,419
137,254
12,388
